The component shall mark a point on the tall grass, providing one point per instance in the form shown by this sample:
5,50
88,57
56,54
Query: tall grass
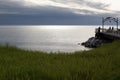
99,64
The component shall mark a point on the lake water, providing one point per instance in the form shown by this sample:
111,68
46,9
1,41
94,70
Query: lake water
46,38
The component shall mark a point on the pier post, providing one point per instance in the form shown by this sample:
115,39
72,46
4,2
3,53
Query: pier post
117,24
102,24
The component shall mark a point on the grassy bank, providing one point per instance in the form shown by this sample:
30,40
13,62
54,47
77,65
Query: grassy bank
99,64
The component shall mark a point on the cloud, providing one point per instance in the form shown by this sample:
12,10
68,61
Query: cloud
51,6
67,19
49,12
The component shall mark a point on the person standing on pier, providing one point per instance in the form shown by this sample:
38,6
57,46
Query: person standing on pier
99,30
112,28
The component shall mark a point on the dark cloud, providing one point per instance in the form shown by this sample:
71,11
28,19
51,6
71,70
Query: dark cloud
68,19
17,6
15,12
9,7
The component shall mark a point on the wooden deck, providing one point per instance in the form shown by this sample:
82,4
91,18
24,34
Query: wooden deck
108,33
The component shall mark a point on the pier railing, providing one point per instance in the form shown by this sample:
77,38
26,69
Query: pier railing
112,32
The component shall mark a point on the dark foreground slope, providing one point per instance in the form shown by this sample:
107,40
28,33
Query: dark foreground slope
99,64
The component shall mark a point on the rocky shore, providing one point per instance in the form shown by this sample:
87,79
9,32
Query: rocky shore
94,42
97,41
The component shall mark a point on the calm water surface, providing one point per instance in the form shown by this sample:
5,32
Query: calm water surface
46,38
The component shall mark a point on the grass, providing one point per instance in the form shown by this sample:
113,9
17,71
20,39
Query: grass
99,64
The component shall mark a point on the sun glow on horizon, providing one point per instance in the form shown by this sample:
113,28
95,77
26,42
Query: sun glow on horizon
114,5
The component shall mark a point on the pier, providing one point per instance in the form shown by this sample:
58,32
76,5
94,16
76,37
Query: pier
104,34
107,34
110,33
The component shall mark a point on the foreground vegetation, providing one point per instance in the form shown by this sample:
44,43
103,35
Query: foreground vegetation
99,64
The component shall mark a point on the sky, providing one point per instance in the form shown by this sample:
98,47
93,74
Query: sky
58,12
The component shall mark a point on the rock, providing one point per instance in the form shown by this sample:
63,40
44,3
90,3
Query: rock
93,42
83,43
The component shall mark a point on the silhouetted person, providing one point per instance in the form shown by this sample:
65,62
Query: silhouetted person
109,28
112,28
99,30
